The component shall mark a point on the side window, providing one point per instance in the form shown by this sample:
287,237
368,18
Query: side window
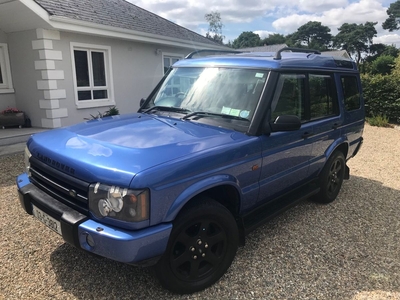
6,85
289,97
323,98
351,92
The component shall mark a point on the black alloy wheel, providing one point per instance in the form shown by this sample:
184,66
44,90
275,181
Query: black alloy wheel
331,178
201,248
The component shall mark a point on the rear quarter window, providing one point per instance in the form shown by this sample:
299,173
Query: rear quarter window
351,92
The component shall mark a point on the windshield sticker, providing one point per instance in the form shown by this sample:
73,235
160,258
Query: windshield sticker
225,110
244,113
259,75
235,112
230,111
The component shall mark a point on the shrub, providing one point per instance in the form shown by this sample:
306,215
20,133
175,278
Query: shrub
112,111
382,65
382,96
379,121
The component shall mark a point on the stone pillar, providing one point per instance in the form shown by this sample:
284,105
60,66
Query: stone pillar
51,77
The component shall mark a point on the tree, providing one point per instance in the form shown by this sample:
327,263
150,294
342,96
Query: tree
382,65
380,60
214,32
377,50
273,39
356,39
246,39
393,21
312,35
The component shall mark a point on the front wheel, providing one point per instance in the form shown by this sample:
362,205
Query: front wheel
331,178
202,246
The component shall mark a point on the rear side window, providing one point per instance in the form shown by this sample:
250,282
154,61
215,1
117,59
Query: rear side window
323,99
351,92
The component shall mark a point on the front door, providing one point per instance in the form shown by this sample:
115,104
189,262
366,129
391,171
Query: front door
286,155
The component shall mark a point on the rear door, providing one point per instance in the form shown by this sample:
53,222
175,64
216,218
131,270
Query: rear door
324,115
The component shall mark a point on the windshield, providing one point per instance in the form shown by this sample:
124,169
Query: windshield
217,91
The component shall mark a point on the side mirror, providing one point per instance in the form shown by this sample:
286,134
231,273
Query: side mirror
142,101
285,123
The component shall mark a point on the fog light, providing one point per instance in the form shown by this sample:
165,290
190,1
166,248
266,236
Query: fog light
90,240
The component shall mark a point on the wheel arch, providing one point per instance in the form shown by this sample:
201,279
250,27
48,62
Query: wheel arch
341,145
223,189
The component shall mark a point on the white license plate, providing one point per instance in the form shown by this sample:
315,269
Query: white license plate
47,220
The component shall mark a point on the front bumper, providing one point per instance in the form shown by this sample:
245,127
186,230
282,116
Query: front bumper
117,244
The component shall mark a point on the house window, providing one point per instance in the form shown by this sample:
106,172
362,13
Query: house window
92,75
169,60
6,85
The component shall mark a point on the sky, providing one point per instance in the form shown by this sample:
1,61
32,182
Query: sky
273,16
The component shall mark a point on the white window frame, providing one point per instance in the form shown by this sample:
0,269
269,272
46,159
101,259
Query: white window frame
7,85
109,78
170,56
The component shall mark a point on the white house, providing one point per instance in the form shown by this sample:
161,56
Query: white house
62,60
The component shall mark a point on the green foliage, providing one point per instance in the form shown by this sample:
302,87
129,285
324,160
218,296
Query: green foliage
355,38
392,22
382,65
273,39
377,50
312,35
246,39
214,32
396,69
379,121
112,111
382,96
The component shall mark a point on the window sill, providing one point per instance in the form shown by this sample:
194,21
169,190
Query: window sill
94,104
7,91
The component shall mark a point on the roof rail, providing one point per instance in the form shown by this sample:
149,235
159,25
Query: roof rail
191,54
303,50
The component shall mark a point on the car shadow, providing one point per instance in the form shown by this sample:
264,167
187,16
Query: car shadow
328,251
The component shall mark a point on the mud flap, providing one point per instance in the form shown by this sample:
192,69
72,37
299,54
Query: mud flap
346,173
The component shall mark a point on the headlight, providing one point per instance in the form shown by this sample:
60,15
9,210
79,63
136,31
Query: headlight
27,156
118,203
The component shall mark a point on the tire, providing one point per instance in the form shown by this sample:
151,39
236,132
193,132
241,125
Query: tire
202,246
331,178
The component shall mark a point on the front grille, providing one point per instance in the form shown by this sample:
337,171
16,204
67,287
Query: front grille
59,185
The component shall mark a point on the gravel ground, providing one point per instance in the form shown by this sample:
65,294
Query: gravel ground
345,250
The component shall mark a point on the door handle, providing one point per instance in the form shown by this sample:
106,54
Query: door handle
335,125
307,134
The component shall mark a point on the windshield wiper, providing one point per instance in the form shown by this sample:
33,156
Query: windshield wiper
205,114
167,108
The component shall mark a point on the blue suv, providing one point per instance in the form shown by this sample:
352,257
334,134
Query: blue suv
223,143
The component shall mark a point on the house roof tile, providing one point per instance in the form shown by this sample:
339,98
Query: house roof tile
120,14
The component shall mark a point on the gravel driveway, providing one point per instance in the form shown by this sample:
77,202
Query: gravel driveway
349,249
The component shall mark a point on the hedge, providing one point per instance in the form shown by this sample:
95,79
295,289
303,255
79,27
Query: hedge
382,96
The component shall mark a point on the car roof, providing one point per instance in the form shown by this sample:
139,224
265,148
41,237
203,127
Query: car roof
269,60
